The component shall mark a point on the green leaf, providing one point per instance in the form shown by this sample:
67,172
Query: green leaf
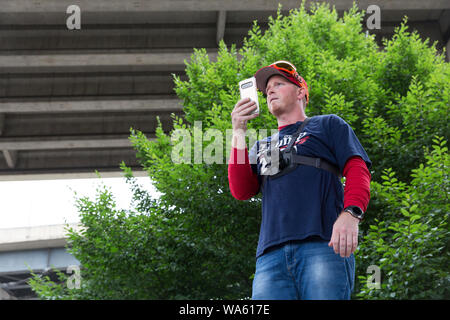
404,212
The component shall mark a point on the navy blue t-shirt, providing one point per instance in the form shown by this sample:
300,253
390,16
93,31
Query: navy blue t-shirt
307,201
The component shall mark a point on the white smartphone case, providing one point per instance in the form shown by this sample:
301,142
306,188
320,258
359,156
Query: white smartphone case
247,89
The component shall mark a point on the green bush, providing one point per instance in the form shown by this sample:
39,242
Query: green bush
410,244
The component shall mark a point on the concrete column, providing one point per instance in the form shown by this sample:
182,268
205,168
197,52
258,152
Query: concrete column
221,20
11,158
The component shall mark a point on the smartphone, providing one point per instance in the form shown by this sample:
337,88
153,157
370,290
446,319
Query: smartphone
247,88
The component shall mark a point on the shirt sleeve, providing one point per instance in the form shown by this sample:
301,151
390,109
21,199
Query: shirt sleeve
344,142
243,181
357,183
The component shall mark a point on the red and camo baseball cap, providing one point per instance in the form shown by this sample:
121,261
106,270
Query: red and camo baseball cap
282,68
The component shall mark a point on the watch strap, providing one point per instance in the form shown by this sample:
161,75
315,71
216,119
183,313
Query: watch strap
355,211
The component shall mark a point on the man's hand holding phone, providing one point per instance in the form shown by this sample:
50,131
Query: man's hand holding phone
242,112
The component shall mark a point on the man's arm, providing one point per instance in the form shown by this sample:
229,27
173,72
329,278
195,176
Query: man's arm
344,238
357,183
242,180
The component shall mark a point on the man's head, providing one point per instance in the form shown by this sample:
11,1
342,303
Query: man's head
283,86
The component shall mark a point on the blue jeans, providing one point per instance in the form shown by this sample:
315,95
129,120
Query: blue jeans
307,270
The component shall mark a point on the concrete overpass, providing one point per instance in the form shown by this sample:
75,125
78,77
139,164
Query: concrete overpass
40,249
69,97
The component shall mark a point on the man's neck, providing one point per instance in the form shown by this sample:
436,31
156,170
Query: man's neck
293,117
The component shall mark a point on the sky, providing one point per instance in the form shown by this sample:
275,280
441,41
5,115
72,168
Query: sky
49,202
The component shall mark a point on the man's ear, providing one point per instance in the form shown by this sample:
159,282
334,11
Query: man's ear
301,93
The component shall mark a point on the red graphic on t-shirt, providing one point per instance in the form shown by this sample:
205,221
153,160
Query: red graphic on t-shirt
302,140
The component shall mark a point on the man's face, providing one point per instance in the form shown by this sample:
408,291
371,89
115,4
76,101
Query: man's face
282,95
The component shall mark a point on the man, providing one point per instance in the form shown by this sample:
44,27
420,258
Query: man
309,227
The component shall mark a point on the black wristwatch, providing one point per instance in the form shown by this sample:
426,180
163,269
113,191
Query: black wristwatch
355,211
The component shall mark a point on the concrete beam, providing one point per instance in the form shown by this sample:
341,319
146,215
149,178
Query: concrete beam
68,175
194,21
221,21
20,285
96,124
107,38
36,259
58,161
27,238
111,18
62,84
153,105
201,5
32,143
13,63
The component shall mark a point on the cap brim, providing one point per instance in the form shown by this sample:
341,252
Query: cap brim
263,75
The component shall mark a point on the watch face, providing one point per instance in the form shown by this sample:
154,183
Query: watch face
357,211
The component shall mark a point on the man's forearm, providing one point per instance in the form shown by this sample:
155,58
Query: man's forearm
242,180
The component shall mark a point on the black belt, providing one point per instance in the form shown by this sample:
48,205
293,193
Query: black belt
318,163
308,161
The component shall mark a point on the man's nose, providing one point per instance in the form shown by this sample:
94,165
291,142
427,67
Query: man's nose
269,90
